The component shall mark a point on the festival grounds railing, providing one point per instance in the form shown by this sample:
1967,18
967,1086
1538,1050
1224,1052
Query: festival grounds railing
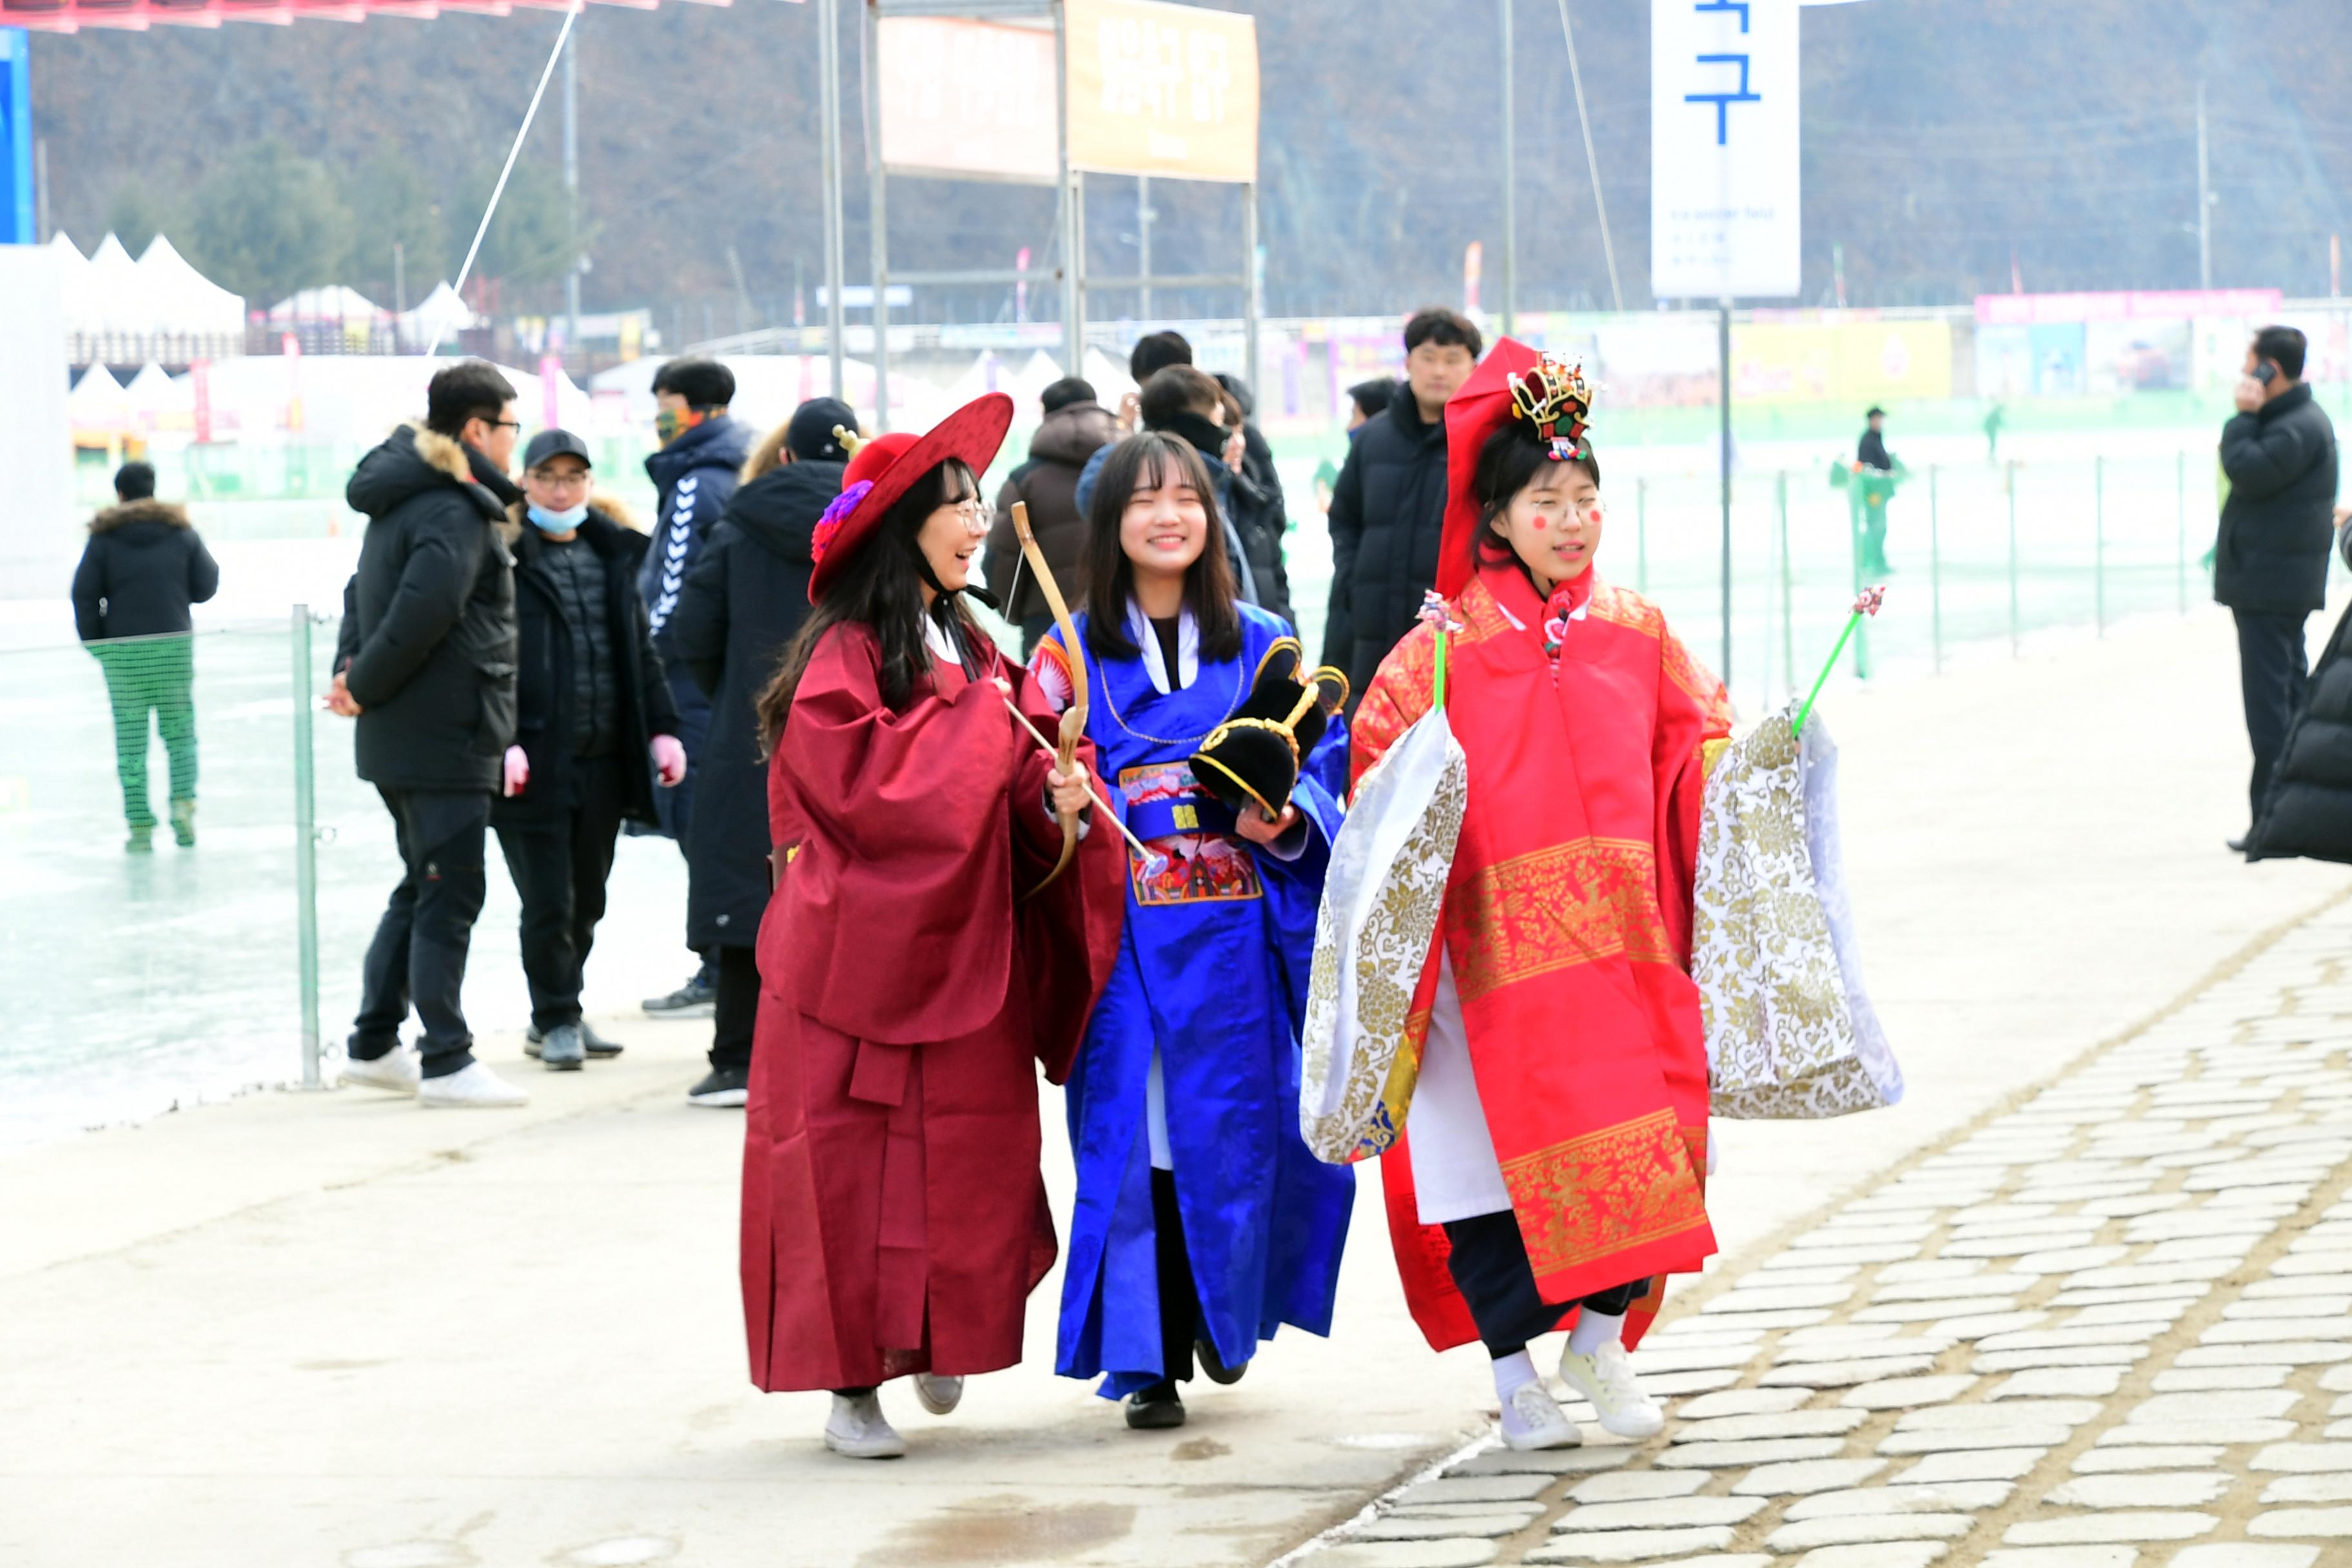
139,981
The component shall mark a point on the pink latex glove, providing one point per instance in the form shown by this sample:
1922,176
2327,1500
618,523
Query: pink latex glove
669,760
518,771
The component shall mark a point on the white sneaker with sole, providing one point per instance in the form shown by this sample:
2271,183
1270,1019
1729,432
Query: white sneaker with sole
1606,1378
1533,1420
858,1430
939,1394
394,1071
473,1088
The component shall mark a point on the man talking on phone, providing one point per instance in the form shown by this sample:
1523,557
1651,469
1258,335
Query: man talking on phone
2270,562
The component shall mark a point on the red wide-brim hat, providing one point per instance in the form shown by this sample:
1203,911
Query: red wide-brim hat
885,468
1482,407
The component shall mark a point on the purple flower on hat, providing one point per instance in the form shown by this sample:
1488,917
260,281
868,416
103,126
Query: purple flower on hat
830,524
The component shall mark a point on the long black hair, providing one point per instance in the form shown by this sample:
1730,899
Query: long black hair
1509,462
881,587
1145,462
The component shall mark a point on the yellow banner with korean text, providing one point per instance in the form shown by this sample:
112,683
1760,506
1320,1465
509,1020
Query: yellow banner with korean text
1804,361
1155,88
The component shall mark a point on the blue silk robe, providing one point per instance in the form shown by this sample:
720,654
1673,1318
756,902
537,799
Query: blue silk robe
1211,970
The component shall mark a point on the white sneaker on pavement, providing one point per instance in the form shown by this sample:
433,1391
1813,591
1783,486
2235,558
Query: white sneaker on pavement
1533,1420
1606,1378
394,1071
858,1430
472,1087
939,1394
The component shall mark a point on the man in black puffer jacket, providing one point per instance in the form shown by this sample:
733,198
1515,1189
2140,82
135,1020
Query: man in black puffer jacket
2307,809
2270,560
427,664
1388,508
746,597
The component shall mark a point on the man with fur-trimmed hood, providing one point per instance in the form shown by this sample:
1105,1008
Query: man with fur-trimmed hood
142,568
427,664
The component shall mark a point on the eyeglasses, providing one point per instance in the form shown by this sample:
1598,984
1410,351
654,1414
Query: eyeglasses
976,514
505,424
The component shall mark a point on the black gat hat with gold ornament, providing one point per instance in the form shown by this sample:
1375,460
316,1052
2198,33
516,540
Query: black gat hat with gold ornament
1252,758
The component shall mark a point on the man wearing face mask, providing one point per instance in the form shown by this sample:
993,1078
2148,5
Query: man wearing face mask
595,729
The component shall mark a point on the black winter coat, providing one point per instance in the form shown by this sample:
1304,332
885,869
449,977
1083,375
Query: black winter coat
1388,514
428,638
746,597
142,569
693,478
543,687
2307,810
2271,553
1048,484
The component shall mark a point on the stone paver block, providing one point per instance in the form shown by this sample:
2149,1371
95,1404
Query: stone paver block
1860,1528
1948,1497
1661,1358
1743,1402
1777,1298
2336,1380
2063,1557
2240,1555
2215,1405
2111,1295
1906,1392
1459,1553
2072,1355
1764,1321
1844,1373
2194,1379
1851,1350
1871,1234
2154,1488
2255,1331
1544,1461
1668,1385
1805,1477
1877,1554
2306,1459
1476,1488
2309,1488
2032,1435
1877,1252
1928,1308
2017,1245
1659,1513
2290,1285
1638,1485
1453,1527
1793,1423
2292,1352
1982,1324
2150,1274
2046,1382
2071,1338
2155,1314
2166,1433
2115,1461
1950,1417
2334,1523
1629,1545
1972,1464
1927,1269
2289,1307
1730,1456
2091,1528
2070,1259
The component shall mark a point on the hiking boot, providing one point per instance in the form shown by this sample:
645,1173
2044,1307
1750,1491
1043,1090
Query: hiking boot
184,823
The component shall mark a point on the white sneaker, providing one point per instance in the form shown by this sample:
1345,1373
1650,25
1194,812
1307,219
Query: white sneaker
471,1087
394,1071
1606,1378
858,1430
1533,1420
939,1394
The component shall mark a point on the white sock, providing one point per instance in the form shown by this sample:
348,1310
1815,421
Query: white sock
1593,1330
1513,1373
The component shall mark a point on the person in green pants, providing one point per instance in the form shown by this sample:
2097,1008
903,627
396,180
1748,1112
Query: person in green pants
142,568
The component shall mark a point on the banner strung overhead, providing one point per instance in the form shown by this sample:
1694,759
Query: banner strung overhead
1724,215
1162,89
971,99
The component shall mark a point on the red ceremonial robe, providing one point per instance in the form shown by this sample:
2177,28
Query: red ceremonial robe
894,1215
1567,919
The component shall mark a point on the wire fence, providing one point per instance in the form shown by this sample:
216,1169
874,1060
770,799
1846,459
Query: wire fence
141,979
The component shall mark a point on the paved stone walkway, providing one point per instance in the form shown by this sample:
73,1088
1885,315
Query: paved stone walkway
2109,1327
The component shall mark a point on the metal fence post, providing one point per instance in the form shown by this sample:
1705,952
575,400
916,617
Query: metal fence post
2013,644
1642,535
2099,543
1853,534
306,850
2180,563
1934,569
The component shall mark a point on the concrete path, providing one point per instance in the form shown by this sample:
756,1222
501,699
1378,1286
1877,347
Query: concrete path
341,1330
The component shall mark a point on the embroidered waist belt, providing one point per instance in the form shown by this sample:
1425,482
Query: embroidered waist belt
1167,818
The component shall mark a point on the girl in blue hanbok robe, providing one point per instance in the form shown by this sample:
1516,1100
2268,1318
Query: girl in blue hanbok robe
1203,1223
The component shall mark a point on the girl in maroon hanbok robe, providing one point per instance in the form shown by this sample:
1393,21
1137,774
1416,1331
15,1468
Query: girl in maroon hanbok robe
925,944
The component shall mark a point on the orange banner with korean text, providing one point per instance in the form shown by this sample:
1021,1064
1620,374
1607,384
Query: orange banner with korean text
971,99
1164,89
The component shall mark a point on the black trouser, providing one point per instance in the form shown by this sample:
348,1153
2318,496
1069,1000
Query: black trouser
2272,671
1180,1298
1488,1260
419,951
560,867
735,1010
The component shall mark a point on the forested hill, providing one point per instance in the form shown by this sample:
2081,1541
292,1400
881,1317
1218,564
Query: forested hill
1944,139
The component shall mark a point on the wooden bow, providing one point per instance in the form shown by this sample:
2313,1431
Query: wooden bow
1073,719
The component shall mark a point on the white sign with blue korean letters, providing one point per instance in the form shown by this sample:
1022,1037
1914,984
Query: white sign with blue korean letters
1724,215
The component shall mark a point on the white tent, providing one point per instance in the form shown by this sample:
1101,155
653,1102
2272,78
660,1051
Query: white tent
97,403
159,403
440,311
182,299
353,398
768,387
339,303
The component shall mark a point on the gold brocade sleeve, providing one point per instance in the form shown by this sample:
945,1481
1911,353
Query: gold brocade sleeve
1402,689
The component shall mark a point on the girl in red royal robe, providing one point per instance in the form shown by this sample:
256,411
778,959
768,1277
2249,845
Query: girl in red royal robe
894,1216
1553,1163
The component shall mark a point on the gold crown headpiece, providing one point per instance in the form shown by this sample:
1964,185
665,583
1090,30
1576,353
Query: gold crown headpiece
1555,398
